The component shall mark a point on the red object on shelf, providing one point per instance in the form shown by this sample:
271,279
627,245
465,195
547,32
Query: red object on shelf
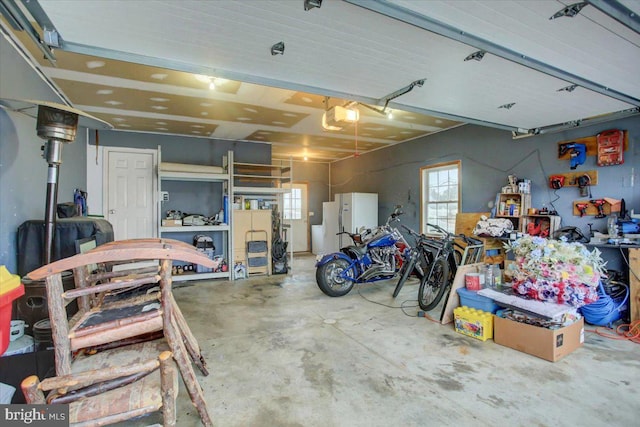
6,300
610,147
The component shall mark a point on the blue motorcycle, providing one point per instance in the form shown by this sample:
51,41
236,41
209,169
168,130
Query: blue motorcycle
375,255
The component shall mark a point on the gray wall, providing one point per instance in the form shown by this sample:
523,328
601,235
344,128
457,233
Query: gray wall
488,156
178,149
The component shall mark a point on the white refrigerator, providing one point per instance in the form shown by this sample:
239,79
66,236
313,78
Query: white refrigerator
348,212
330,242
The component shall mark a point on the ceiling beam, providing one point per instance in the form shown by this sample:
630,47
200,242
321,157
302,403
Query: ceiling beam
429,24
11,11
619,12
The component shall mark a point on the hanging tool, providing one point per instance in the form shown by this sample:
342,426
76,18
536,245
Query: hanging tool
582,208
577,152
584,184
556,181
599,203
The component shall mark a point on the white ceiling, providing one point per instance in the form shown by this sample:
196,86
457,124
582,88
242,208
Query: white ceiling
367,50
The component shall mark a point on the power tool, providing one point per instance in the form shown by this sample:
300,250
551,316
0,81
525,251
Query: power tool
584,185
582,208
556,181
578,152
599,203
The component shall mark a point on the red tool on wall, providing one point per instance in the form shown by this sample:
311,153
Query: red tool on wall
598,203
556,181
582,207
610,147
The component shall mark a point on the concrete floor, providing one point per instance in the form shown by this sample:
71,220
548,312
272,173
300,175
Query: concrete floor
281,353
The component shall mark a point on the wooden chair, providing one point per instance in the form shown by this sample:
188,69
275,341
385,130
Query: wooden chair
113,386
120,306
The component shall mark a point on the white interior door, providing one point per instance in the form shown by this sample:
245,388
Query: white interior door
296,213
130,181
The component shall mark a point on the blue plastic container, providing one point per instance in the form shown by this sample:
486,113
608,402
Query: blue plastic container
472,299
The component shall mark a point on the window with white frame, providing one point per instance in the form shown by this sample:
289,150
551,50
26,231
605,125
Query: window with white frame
293,204
440,190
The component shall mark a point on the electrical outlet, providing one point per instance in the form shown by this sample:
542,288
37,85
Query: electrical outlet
164,196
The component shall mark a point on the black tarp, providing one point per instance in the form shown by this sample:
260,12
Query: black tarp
68,230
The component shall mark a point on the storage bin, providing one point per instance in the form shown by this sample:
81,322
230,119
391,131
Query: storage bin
10,290
472,299
474,323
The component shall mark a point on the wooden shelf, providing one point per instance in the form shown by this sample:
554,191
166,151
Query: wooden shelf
257,168
260,190
196,228
200,276
192,176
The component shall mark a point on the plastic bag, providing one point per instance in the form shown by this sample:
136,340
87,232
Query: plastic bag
492,227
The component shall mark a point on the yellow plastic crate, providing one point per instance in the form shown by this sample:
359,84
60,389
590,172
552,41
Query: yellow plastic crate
8,281
473,322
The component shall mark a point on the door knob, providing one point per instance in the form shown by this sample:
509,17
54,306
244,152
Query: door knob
112,211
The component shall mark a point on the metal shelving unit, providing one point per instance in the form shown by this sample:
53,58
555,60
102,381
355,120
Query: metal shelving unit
225,179
268,182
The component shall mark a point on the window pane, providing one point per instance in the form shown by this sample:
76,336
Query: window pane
440,194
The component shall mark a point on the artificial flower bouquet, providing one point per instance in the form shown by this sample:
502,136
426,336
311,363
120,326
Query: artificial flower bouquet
555,270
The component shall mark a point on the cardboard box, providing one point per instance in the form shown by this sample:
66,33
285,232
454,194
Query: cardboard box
172,223
548,344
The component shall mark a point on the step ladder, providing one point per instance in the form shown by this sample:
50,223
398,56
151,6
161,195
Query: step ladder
257,252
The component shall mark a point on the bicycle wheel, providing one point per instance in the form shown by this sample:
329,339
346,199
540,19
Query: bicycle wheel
433,285
406,271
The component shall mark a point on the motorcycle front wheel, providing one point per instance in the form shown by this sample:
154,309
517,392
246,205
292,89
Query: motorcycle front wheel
330,278
433,285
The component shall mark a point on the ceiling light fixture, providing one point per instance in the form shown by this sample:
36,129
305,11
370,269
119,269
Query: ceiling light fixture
277,49
210,81
310,4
